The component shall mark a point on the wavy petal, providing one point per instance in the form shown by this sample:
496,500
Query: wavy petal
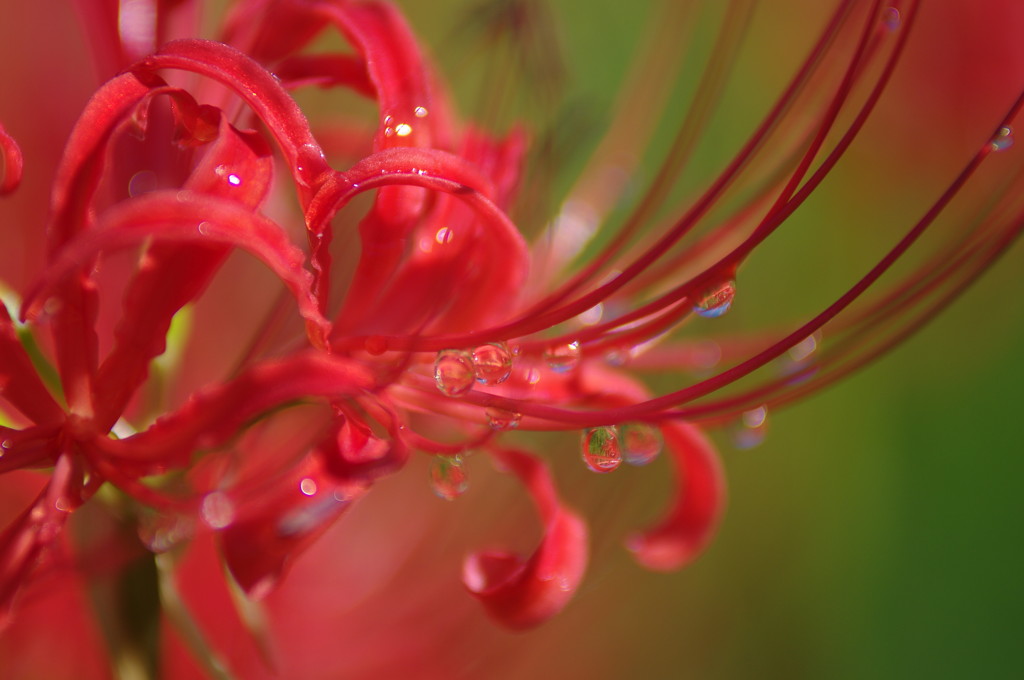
524,592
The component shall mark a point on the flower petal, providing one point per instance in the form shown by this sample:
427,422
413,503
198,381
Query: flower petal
524,592
697,508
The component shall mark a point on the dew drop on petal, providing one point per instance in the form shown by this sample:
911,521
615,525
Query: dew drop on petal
600,448
641,442
502,419
308,486
453,372
448,477
403,129
751,429
204,228
217,510
564,357
1002,139
715,301
492,363
420,111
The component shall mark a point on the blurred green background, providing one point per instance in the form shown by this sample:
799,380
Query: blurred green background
877,531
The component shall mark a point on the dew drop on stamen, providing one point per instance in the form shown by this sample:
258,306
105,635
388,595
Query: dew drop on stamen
448,477
716,301
563,358
217,510
1002,139
600,449
640,442
751,429
502,419
492,363
453,372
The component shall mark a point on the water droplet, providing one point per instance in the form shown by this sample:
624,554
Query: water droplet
641,442
891,18
805,348
453,372
448,477
601,450
492,363
217,510
716,301
403,129
443,236
591,316
204,228
563,358
751,429
234,180
142,182
421,112
501,419
308,486
1002,139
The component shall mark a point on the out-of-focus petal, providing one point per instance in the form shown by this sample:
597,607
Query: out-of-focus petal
696,509
296,510
10,163
523,592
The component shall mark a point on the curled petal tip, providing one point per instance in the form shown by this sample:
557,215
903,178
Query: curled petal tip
523,592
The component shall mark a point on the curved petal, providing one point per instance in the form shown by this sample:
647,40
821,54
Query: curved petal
524,592
696,509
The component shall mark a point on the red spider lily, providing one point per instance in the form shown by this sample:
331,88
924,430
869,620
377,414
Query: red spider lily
448,328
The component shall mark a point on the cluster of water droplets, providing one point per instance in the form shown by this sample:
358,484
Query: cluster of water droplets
1002,139
455,370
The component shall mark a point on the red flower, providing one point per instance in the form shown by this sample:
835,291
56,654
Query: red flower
426,324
